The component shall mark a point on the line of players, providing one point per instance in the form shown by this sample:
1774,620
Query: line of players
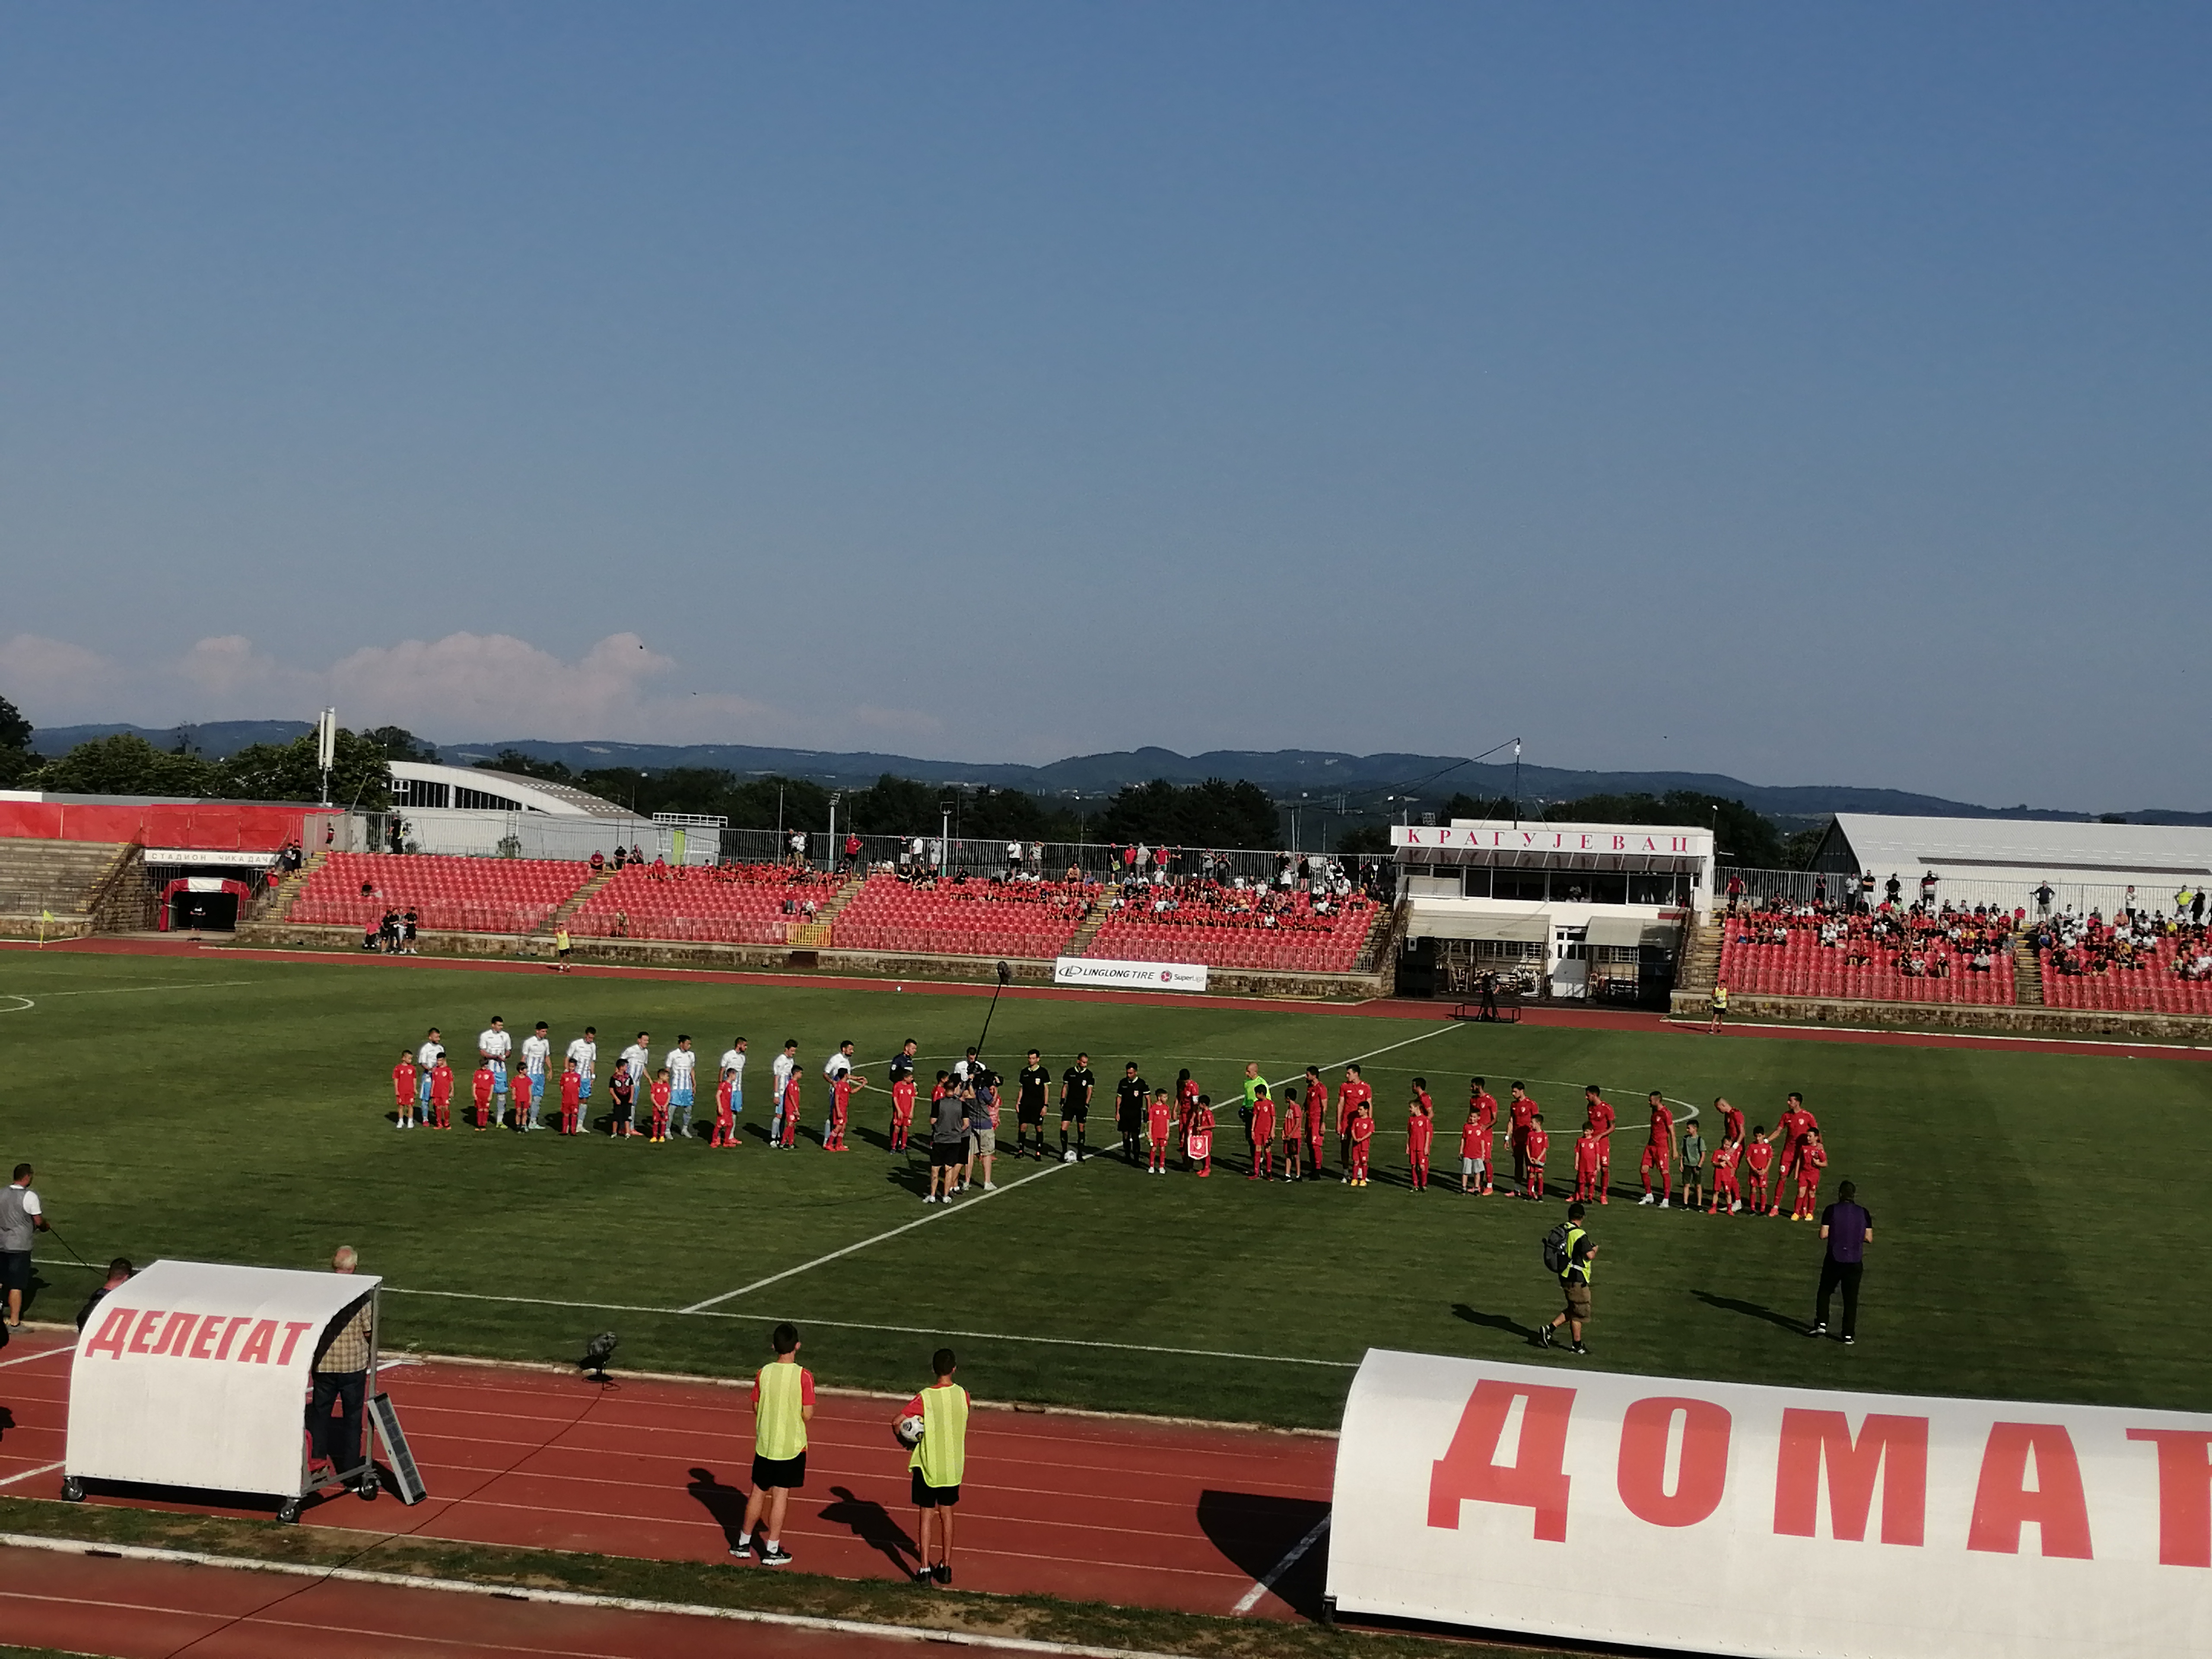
1174,1123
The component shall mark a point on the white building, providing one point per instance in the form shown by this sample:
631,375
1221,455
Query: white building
461,810
2005,861
1581,909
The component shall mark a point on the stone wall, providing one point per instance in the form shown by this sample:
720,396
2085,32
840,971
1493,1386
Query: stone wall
1952,1017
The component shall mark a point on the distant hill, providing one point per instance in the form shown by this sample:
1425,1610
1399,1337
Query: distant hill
1318,775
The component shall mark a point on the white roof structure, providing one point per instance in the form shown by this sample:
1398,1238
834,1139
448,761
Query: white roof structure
426,783
2018,850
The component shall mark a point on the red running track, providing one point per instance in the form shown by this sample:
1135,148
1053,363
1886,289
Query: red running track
1115,1510
152,1609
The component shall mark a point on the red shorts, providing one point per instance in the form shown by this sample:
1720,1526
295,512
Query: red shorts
1654,1157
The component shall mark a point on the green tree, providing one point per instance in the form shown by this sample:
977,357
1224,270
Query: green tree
1744,836
361,777
124,764
1466,806
1365,838
398,744
1210,814
894,806
15,730
515,762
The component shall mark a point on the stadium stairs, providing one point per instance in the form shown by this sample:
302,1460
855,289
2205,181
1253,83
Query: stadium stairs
276,903
814,935
2027,974
86,886
1080,945
575,902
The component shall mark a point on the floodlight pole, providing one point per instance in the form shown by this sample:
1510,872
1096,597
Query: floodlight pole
836,796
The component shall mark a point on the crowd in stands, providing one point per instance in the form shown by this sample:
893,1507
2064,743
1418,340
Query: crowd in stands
2143,962
1931,953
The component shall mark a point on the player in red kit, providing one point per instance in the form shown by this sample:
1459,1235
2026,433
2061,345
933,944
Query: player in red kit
725,1112
1360,1133
441,1094
1420,1132
1317,1121
840,1110
1758,1159
572,1098
404,1077
1731,1121
1537,1143
1263,1136
1294,1136
1474,1152
903,1092
1198,1139
482,1088
1186,1103
1352,1094
1659,1152
1159,1131
1812,1158
1598,1113
1519,1111
1727,1196
1589,1159
663,1092
1794,1122
1482,1106
791,1109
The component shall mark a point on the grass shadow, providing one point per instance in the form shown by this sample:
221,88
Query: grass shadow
1752,1309
1496,1321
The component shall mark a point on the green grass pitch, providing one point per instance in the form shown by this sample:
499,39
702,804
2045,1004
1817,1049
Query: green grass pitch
2039,1217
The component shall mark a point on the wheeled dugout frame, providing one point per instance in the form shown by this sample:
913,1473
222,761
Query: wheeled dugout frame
197,1374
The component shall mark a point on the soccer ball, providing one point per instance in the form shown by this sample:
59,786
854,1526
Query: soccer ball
907,1432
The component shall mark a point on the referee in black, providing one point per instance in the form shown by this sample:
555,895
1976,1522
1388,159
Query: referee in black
1130,1097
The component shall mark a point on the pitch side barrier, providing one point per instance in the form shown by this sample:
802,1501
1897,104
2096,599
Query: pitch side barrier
1724,1518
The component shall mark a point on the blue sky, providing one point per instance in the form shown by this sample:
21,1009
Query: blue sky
1816,396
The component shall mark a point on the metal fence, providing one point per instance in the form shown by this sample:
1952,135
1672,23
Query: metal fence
1769,889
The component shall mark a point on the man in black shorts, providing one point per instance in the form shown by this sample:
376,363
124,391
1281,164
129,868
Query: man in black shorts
1130,1095
1076,1084
1029,1115
948,1144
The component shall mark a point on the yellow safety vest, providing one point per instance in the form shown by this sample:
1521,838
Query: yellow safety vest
1719,998
779,1431
1576,1271
942,1456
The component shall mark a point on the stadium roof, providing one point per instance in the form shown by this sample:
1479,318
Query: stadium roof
2000,848
531,794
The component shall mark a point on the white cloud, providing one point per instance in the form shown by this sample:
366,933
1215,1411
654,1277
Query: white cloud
229,674
44,678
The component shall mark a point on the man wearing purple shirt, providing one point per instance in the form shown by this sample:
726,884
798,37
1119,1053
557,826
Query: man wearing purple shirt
1847,1230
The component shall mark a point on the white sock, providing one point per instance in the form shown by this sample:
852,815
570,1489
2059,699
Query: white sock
745,1539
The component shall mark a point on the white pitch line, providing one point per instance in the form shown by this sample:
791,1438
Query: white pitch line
25,1359
1275,1573
938,1215
119,990
941,1214
28,1474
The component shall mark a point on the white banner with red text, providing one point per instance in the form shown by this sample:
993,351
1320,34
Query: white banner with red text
197,1374
1129,976
1733,1519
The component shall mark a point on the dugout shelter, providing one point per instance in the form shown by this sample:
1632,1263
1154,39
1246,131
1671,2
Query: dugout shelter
197,1374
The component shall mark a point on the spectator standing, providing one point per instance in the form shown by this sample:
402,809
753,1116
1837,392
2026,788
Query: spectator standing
2043,897
939,1461
1846,1229
21,1216
981,1106
1927,890
1578,1257
783,1405
341,1379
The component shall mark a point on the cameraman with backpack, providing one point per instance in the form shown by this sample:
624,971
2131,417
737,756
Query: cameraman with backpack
1569,1252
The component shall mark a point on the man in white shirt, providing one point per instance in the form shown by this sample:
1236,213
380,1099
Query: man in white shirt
585,1051
839,1063
638,1057
494,1044
425,1058
683,1072
536,1056
779,1080
732,1071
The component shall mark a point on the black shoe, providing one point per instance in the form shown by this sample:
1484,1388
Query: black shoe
742,1552
1849,1341
1821,1329
1580,1349
776,1556
1544,1336
942,1572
